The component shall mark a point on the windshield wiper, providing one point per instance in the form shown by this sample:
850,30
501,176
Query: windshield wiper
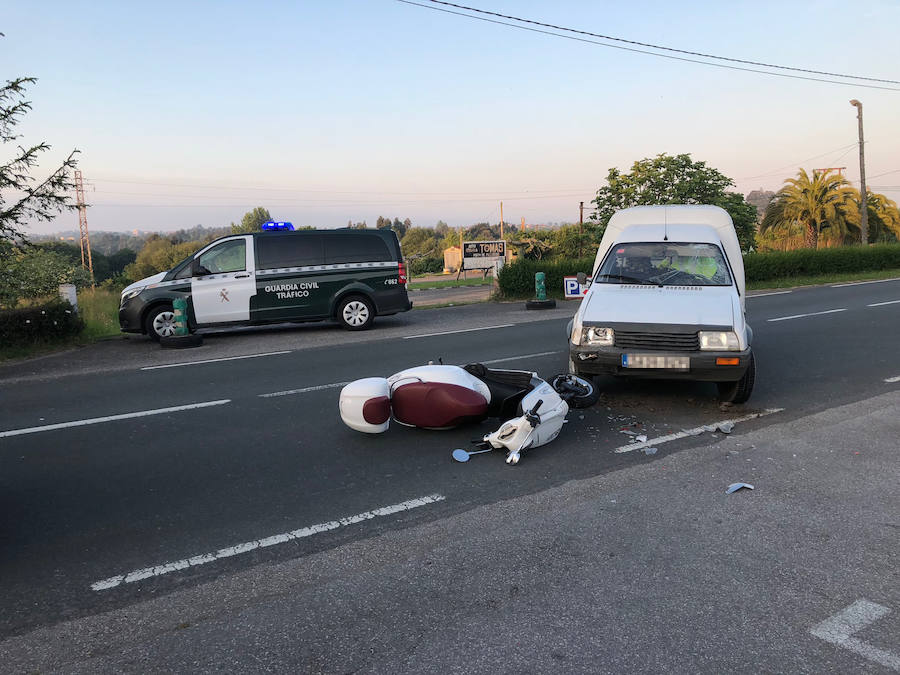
627,280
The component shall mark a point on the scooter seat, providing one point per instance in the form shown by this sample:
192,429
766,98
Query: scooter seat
437,405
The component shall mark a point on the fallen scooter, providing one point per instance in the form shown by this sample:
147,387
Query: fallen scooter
444,397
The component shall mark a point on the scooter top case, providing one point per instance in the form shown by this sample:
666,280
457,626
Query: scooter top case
429,397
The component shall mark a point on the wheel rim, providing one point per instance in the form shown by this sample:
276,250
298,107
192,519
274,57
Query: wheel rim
164,324
356,313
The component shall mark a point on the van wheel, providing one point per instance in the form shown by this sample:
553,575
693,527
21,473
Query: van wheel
160,322
739,392
356,313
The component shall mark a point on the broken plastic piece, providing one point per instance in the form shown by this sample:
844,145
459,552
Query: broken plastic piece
734,487
649,451
641,439
725,427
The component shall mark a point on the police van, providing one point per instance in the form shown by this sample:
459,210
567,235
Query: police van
275,276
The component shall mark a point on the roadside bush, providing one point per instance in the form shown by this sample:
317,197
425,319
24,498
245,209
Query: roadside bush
47,323
815,262
426,266
516,279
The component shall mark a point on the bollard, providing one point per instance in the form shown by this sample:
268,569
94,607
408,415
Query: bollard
180,307
540,300
183,337
540,286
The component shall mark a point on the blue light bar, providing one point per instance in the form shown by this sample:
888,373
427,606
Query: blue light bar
272,225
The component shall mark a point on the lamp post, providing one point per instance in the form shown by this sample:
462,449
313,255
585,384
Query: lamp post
864,208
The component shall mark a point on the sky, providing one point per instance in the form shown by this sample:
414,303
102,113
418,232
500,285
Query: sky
332,111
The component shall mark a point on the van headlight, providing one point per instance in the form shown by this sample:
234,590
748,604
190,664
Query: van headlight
133,293
596,336
716,340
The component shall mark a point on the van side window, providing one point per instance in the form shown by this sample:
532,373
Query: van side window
229,256
301,250
353,249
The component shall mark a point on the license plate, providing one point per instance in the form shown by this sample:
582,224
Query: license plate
656,361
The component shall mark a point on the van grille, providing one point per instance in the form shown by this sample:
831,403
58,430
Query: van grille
674,342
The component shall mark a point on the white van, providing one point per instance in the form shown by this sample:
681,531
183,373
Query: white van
666,300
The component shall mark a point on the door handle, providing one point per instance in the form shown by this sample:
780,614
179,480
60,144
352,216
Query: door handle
241,276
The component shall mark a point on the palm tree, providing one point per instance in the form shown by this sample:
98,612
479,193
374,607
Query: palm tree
884,217
818,202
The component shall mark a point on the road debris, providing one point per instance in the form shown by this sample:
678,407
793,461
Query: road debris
649,451
734,487
725,427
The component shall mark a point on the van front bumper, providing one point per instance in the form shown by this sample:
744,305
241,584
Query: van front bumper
592,360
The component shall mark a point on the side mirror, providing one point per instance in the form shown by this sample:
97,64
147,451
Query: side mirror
582,278
198,270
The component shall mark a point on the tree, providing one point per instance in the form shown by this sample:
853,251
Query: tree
823,201
34,272
20,199
158,255
667,179
252,221
884,218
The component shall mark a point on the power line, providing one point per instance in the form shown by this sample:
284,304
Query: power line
793,165
642,51
668,49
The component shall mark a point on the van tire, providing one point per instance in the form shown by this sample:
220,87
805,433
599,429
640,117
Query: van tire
160,322
356,312
739,391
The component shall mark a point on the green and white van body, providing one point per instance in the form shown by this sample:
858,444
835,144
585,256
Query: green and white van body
274,277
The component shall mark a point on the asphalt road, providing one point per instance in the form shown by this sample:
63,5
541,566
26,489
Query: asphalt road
85,506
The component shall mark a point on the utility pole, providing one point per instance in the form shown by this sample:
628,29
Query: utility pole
83,226
864,206
501,220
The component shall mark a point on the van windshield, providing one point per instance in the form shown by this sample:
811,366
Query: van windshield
664,263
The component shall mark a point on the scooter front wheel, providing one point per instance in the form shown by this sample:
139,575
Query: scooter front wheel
578,392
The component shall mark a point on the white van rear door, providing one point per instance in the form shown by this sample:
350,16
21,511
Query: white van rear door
227,281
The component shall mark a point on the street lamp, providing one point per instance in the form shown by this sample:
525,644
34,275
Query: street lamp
864,208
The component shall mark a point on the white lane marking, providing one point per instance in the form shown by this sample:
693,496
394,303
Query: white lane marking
450,332
860,283
304,389
229,358
202,559
762,295
112,418
891,380
320,387
839,629
881,304
684,433
524,356
800,316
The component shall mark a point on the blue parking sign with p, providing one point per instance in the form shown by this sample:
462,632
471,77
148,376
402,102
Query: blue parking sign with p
572,288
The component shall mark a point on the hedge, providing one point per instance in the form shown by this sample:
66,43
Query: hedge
516,279
39,324
816,262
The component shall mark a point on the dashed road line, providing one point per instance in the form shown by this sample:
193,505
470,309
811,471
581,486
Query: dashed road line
762,295
112,418
800,316
451,332
333,385
228,358
685,433
881,304
304,390
840,628
860,283
891,380
231,551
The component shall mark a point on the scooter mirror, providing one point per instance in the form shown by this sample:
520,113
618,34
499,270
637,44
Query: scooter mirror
460,455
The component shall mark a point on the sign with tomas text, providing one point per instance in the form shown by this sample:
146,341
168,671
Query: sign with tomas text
573,289
481,255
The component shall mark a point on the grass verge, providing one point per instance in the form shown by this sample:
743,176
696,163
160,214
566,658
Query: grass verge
448,283
790,282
